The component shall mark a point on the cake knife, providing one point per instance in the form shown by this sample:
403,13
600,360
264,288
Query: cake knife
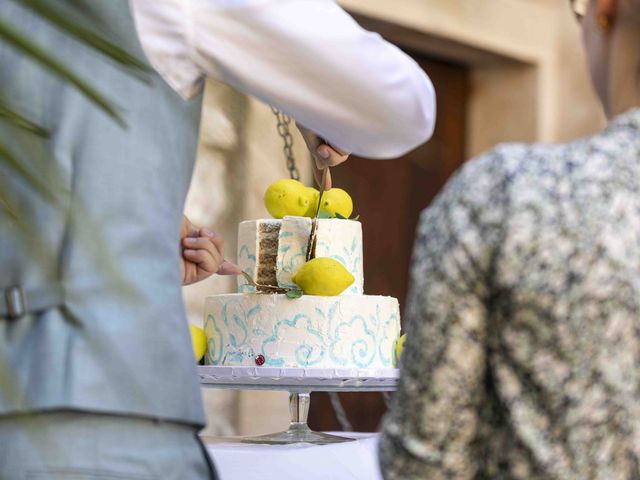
259,286
314,223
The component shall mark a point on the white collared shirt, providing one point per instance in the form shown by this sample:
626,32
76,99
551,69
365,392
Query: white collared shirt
308,58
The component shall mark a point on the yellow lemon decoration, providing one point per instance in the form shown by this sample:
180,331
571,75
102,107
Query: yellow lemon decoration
198,341
286,197
313,196
400,347
323,276
337,201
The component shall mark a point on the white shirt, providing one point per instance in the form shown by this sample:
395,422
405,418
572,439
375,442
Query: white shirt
308,58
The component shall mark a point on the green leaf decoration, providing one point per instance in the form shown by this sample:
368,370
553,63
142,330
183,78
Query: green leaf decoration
40,55
324,214
294,293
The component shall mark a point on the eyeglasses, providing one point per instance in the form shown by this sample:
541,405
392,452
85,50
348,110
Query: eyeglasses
579,7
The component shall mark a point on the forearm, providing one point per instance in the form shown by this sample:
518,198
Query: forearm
310,59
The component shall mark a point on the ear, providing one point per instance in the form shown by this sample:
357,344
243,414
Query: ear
607,9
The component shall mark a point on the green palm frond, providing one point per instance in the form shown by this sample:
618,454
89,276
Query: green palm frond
15,38
4,206
46,178
21,121
68,20
74,28
19,167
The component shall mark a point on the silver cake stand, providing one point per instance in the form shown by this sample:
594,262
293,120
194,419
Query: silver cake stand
299,382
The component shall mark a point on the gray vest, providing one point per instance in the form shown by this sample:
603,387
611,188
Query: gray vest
104,328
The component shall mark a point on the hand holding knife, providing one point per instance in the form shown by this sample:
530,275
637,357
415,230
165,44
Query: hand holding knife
311,246
323,152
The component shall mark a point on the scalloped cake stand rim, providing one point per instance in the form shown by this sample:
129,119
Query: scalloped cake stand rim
299,379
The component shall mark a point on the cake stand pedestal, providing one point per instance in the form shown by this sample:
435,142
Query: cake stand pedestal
299,382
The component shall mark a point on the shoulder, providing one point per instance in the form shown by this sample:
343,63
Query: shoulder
478,197
484,180
510,161
505,171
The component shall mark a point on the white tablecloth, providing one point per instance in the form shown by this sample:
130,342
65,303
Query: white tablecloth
342,461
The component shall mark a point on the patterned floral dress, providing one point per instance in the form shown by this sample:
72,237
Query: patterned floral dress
523,354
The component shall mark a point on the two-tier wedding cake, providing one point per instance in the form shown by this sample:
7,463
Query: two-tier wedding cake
255,328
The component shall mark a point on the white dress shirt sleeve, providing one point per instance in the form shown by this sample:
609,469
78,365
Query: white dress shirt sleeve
308,58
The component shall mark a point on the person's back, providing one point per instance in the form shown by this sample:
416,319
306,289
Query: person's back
569,277
562,327
563,331
524,335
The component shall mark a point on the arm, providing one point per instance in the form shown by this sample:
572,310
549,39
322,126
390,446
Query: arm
308,58
431,429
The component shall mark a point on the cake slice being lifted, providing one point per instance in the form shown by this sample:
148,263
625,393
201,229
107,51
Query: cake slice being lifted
273,250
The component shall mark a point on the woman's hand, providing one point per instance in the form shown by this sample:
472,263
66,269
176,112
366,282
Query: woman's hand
202,254
324,155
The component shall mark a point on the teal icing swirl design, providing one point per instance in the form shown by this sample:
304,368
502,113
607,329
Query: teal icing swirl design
289,261
362,355
237,358
386,354
359,352
237,320
246,288
329,320
214,341
306,354
244,251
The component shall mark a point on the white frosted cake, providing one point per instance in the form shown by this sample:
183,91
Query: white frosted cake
347,331
252,328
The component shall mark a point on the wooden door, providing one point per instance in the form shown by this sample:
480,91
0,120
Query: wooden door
389,196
